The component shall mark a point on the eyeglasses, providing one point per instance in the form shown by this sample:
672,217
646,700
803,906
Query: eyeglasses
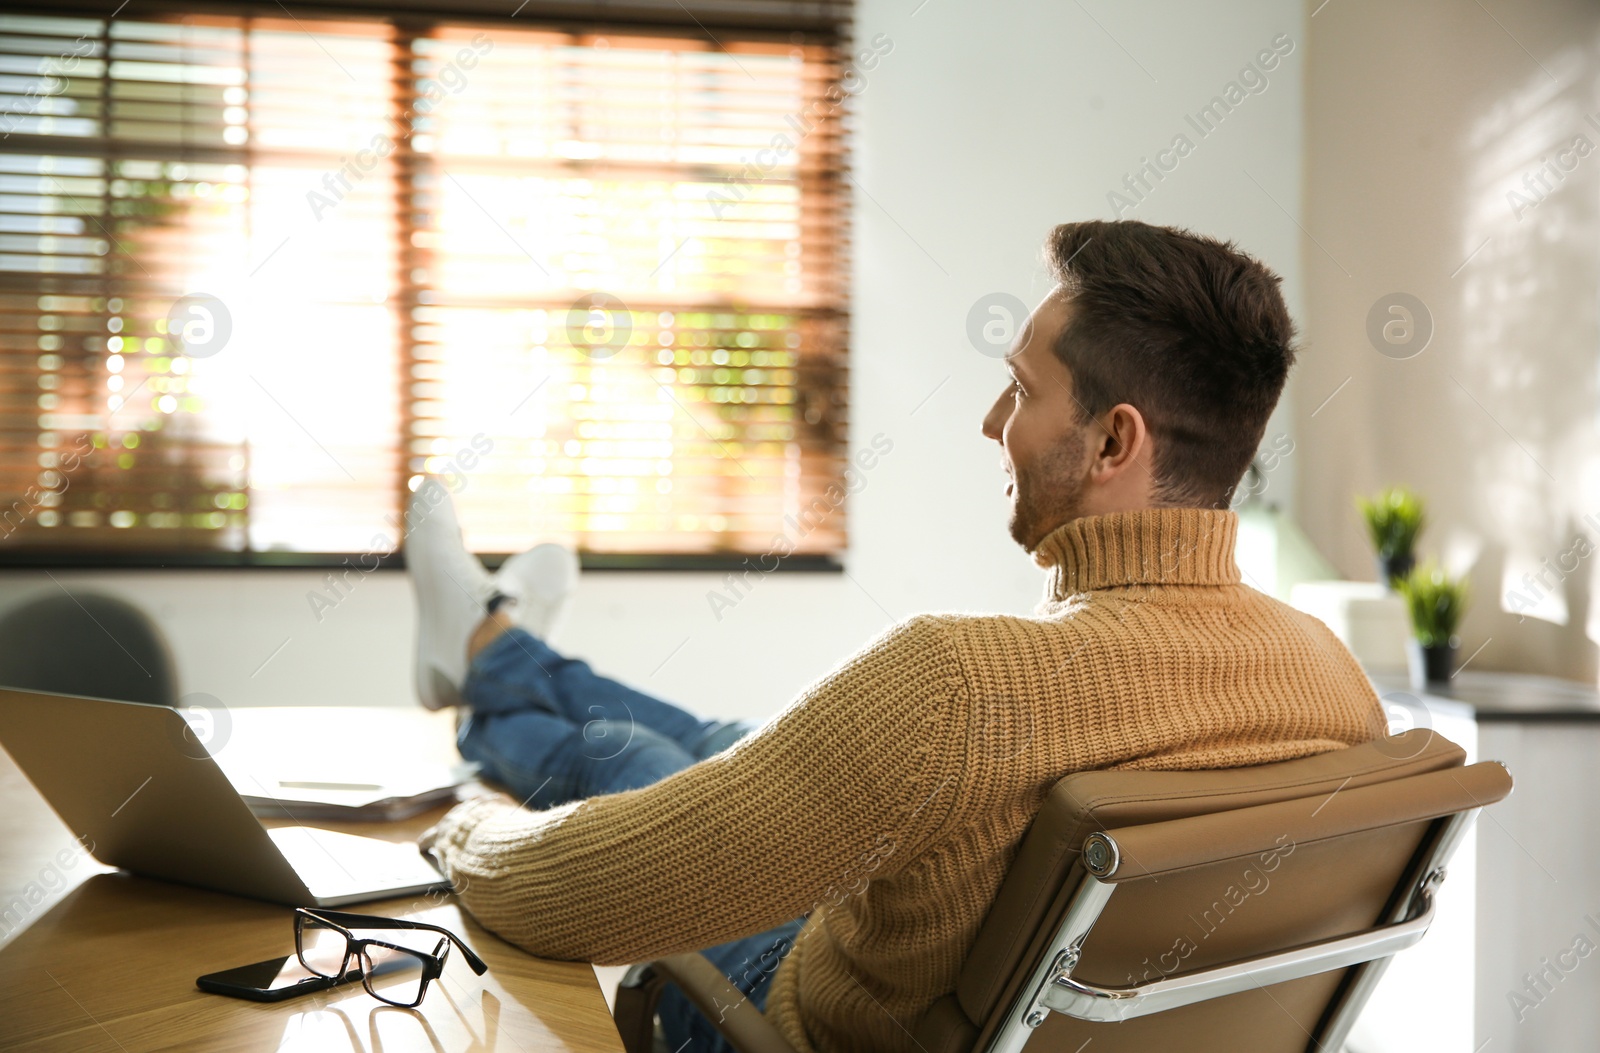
327,941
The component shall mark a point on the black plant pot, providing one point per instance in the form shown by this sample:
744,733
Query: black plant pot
1393,568
1434,664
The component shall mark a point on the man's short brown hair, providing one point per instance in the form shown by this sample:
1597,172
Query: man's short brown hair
1189,330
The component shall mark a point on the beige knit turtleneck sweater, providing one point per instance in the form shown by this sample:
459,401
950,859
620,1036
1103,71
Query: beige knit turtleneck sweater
889,797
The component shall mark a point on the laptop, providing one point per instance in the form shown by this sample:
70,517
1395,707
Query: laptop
130,780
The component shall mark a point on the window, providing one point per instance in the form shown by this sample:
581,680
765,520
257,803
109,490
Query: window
258,274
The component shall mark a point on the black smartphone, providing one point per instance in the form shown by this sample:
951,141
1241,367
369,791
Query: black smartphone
270,981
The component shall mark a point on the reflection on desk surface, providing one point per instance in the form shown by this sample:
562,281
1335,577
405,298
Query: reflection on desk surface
112,964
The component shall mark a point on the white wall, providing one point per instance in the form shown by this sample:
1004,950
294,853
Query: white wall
985,125
1423,120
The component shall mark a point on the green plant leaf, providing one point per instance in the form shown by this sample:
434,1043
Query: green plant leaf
1436,601
1394,518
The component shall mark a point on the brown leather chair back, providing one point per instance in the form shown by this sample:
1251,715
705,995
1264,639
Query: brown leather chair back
1324,876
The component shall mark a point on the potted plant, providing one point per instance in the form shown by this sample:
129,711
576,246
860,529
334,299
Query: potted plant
1437,603
1394,519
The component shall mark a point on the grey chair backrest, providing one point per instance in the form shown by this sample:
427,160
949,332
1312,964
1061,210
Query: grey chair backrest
86,643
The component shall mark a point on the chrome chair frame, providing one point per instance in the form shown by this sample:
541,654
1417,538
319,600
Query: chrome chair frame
1051,986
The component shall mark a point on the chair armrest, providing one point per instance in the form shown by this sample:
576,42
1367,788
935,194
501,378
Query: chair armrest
1086,1001
1157,849
729,1011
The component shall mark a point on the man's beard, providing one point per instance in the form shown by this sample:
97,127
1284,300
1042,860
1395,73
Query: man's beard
1050,494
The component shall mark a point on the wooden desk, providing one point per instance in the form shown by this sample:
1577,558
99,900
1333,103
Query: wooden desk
94,960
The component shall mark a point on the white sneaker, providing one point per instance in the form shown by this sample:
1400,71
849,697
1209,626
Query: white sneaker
540,581
452,590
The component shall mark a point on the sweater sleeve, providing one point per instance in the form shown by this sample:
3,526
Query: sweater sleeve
850,781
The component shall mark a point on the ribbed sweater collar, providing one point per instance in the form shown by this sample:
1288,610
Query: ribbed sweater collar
1150,546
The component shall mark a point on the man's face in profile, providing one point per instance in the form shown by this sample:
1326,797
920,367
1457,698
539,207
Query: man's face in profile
1045,450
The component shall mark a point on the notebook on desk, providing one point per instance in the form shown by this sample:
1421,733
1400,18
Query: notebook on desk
375,795
140,793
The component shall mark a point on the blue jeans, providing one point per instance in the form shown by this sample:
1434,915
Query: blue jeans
550,730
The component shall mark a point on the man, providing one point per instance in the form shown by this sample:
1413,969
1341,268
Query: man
839,859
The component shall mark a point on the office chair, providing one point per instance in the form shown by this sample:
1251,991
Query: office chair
85,643
1189,912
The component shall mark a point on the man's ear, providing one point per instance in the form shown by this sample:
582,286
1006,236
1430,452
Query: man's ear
1123,438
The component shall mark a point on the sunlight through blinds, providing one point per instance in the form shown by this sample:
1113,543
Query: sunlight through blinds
258,275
